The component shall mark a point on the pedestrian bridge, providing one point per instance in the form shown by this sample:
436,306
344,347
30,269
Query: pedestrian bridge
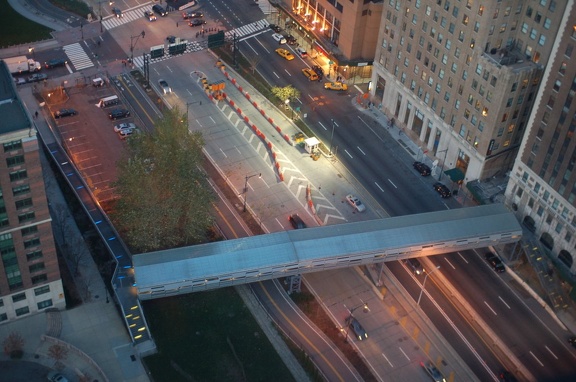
256,258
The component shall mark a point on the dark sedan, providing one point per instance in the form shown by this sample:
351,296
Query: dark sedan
422,168
196,22
54,63
495,262
442,190
118,113
64,113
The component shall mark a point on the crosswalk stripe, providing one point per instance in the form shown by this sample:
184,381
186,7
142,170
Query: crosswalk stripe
112,21
251,29
78,56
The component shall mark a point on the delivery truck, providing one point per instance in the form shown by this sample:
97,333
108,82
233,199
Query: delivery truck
22,64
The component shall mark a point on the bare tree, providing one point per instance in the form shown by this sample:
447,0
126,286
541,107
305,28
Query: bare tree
254,62
58,353
14,345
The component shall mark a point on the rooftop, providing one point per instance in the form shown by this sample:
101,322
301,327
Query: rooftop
14,116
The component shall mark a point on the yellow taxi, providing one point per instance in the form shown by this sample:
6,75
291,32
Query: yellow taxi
335,86
285,54
310,74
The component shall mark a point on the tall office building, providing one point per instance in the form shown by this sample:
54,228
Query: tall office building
29,275
542,186
460,76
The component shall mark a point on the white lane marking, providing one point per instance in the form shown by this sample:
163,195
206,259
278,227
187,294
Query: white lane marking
287,72
370,127
223,153
277,76
392,183
489,307
387,360
377,185
408,358
346,151
359,149
324,127
449,263
553,355
537,360
462,257
504,302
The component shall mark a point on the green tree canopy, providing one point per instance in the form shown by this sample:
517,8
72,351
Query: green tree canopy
286,92
164,196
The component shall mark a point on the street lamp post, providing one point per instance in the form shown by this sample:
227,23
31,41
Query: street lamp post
424,283
246,187
332,135
188,107
365,308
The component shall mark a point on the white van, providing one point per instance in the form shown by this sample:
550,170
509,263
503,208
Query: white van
97,82
108,101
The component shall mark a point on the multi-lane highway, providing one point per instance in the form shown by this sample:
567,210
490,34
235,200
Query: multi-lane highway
382,173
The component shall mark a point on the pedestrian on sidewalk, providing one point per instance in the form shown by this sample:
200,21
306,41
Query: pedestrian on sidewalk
36,114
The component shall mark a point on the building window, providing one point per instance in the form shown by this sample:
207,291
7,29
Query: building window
32,243
34,255
23,203
18,175
462,131
39,279
14,145
22,311
15,160
45,304
29,230
524,28
562,69
27,217
42,290
19,297
36,267
542,40
21,190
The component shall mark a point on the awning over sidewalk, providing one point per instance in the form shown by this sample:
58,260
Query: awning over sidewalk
456,175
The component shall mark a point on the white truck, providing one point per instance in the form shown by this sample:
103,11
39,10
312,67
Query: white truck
22,64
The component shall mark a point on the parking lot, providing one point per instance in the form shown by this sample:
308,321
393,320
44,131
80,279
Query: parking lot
89,136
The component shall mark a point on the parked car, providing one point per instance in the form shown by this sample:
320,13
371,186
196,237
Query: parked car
442,190
171,39
296,221
37,77
124,126
318,69
291,40
278,37
64,113
149,16
301,52
54,63
336,86
118,113
196,22
422,168
357,328
310,74
275,28
495,262
433,372
20,81
125,133
164,86
117,12
356,203
415,265
192,15
285,54
54,376
157,8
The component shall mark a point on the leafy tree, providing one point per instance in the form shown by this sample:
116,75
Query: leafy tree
286,92
164,196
